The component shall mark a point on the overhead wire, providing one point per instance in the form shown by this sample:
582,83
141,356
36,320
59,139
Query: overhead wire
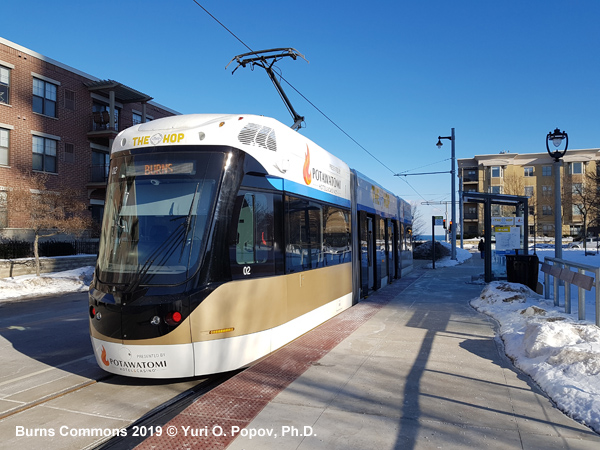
219,22
426,165
307,100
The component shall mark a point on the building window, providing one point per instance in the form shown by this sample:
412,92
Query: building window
546,171
548,228
100,163
496,172
4,141
69,100
576,210
528,171
495,189
4,85
576,168
547,210
577,188
44,97
137,118
531,210
529,191
44,154
546,191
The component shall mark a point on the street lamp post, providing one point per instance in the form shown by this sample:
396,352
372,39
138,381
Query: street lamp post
453,191
557,137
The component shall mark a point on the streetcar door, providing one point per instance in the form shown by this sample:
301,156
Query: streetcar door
364,253
371,252
391,252
397,262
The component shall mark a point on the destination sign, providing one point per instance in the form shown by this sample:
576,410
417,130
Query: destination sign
161,168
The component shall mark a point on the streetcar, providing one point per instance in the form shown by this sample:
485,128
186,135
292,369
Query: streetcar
225,237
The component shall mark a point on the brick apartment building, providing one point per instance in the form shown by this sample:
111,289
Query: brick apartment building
60,121
532,175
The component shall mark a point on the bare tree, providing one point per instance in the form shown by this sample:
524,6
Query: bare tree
419,224
585,202
48,212
515,185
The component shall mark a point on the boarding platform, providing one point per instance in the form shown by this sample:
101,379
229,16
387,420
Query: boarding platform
411,367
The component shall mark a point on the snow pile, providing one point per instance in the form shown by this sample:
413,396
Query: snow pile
461,257
28,286
561,354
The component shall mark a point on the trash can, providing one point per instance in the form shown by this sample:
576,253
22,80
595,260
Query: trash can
523,269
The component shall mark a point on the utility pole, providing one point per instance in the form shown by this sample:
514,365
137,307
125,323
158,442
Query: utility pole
439,144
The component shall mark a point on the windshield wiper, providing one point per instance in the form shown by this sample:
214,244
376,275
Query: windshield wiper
167,247
188,223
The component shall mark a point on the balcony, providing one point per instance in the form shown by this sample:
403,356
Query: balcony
470,216
470,175
100,126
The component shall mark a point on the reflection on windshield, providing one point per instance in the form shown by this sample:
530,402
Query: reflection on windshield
156,216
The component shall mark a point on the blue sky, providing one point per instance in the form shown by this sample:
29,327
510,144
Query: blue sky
393,74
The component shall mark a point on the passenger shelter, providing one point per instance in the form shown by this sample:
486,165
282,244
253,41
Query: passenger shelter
521,210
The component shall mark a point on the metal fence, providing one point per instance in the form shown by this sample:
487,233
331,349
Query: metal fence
561,271
12,248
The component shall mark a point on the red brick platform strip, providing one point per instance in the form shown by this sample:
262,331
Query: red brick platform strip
239,400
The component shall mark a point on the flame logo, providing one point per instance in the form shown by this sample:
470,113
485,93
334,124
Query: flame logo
306,171
104,358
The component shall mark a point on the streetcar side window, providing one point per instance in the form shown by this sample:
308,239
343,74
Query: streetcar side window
304,236
336,239
253,230
317,235
251,241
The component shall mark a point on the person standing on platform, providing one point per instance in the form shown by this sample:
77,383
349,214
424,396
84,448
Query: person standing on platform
481,248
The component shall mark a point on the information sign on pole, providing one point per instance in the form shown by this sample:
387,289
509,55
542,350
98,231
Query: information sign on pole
508,239
503,221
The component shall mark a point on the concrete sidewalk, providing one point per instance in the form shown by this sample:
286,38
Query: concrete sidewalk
411,367
424,372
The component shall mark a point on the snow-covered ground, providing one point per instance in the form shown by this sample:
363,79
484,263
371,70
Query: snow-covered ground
559,352
30,286
461,257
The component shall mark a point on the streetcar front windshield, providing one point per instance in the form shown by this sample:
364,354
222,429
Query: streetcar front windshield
156,217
